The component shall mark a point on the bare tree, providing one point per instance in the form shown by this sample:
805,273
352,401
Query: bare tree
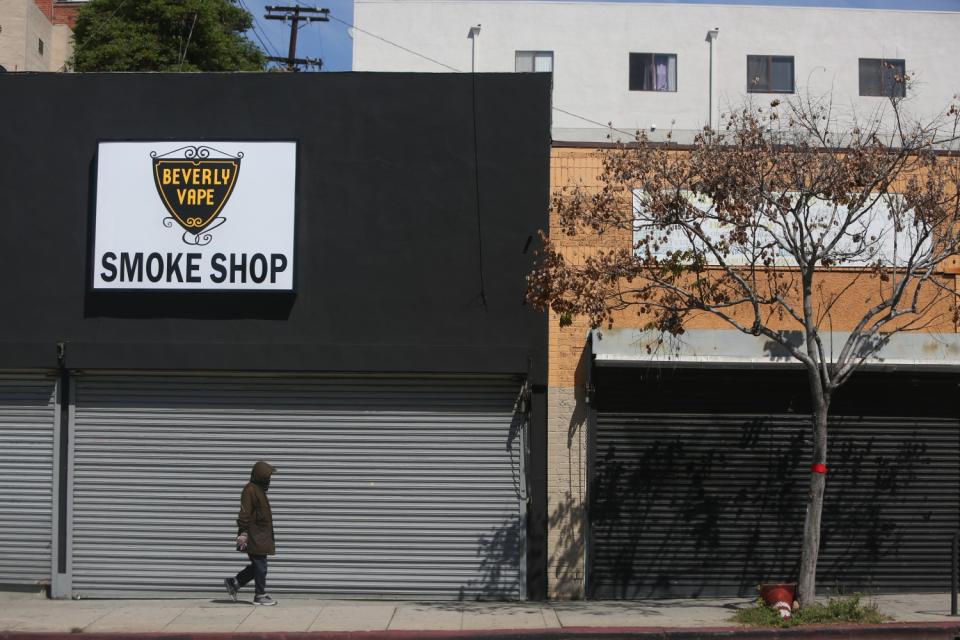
745,224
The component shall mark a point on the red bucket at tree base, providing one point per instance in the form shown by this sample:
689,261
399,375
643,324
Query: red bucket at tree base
779,596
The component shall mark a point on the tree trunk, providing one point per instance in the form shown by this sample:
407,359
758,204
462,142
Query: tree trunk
807,588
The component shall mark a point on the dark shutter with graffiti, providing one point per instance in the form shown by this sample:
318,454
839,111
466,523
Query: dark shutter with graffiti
699,483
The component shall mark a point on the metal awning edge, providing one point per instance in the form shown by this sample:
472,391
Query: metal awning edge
719,348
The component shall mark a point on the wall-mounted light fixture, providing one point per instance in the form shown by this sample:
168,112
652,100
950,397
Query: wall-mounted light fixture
712,35
473,34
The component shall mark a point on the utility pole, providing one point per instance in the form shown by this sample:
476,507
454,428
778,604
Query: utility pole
296,15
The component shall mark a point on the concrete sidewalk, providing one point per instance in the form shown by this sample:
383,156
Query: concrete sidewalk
19,614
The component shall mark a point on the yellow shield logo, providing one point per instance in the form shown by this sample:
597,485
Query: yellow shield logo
194,184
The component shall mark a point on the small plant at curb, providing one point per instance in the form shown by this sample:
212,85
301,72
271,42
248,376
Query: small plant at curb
834,611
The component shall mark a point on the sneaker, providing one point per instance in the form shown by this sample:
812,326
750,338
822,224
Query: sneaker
264,600
232,588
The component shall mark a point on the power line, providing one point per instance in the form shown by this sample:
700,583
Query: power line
373,35
267,46
585,119
323,53
425,57
86,41
268,49
476,139
256,23
295,15
186,47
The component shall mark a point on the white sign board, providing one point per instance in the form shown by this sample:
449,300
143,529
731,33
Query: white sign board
871,239
195,215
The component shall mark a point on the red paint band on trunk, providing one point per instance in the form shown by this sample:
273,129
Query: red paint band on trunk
818,468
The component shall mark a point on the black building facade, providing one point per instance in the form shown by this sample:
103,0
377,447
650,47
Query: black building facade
398,385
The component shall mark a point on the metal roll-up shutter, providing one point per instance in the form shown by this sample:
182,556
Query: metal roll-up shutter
27,423
387,486
695,494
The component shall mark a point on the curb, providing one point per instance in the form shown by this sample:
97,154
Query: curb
889,631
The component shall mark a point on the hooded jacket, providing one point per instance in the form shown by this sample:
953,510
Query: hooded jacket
256,518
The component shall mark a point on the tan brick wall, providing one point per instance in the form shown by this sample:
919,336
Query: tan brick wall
569,166
572,166
567,409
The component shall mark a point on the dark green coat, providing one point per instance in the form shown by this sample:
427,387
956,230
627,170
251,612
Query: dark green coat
256,518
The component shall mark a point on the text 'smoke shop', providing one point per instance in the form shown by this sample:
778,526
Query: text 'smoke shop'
190,185
325,271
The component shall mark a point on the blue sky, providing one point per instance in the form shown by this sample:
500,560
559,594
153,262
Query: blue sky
331,40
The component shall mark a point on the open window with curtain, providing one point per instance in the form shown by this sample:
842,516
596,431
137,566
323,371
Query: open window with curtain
653,72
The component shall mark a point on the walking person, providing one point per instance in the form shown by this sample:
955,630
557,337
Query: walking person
255,535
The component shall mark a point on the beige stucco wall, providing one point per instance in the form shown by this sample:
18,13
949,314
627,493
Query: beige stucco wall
62,47
38,28
22,26
13,17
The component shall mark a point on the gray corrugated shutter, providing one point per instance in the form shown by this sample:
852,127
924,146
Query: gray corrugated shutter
695,494
387,486
27,422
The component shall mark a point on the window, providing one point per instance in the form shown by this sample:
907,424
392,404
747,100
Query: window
770,74
653,72
879,77
529,61
40,46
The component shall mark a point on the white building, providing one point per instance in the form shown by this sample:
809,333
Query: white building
657,66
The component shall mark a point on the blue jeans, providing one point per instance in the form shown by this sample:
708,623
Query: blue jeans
257,571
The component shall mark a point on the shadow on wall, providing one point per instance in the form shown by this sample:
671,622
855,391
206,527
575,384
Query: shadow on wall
879,496
567,514
713,505
566,522
775,350
502,551
345,480
669,520
567,517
